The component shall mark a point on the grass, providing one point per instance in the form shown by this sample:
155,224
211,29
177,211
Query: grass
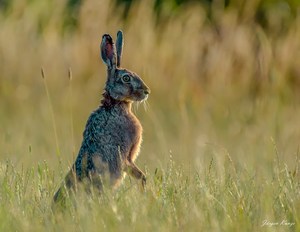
221,132
175,200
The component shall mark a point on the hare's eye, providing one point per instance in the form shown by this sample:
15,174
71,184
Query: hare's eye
126,78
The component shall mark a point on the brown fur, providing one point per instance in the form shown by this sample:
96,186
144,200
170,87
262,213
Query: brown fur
113,135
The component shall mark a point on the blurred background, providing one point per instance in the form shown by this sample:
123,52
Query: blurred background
224,76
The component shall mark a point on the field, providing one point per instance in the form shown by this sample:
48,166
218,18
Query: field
221,126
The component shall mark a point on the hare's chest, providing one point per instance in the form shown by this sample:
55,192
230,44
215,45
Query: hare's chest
128,129
112,131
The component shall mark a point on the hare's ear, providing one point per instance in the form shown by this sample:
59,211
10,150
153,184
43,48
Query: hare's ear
108,51
119,45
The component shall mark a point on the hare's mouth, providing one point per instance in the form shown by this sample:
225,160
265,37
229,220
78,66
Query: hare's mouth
141,95
146,97
143,102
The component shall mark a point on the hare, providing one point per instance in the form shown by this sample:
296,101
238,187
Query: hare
113,135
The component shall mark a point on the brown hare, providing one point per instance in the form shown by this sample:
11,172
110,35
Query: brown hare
113,135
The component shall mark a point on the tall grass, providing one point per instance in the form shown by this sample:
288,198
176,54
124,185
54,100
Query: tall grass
221,133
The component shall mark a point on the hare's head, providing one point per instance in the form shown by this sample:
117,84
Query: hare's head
122,84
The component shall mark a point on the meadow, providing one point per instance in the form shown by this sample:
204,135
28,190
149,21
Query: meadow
221,126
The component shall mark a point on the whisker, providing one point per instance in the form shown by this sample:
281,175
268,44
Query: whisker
145,104
136,106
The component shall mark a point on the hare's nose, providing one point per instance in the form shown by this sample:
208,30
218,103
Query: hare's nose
147,91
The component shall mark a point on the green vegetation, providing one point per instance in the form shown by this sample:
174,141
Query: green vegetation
221,126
